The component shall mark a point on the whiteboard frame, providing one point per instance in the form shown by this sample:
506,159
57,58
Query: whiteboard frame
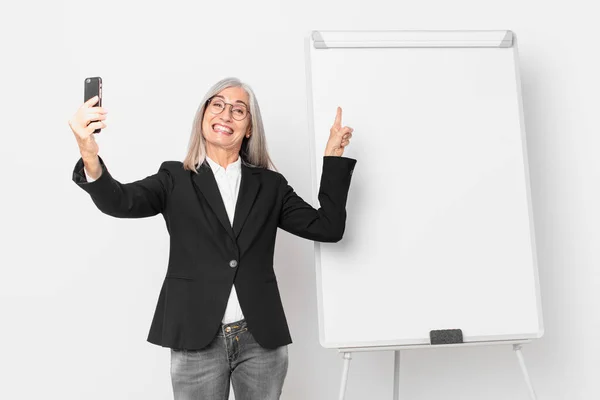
322,40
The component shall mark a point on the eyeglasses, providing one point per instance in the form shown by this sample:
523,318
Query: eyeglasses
216,106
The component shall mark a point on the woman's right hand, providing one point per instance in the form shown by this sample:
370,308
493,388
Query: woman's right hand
83,129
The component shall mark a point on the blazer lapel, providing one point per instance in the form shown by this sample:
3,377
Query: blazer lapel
249,187
206,186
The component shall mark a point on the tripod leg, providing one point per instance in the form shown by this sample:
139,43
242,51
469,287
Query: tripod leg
396,374
347,358
517,349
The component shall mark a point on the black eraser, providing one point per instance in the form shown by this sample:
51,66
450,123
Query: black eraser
446,336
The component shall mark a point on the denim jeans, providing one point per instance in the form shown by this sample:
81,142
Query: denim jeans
256,373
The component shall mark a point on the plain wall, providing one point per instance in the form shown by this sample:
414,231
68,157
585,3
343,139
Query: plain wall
79,288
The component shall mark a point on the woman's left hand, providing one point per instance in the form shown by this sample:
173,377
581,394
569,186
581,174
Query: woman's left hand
339,137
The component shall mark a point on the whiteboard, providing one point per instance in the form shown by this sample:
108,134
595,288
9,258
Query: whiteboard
439,230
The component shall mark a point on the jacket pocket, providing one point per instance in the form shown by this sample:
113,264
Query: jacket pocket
175,276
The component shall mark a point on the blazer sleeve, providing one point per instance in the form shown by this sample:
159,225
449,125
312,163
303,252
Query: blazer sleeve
327,224
139,199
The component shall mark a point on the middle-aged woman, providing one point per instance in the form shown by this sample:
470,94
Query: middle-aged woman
219,308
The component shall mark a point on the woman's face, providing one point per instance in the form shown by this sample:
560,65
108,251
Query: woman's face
223,130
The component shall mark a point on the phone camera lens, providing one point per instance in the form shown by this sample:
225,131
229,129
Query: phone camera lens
88,80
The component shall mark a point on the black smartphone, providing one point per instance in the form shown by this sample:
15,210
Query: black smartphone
93,87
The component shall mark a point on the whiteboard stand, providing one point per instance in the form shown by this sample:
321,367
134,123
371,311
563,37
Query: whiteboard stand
347,356
517,349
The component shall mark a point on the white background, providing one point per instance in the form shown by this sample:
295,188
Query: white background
79,288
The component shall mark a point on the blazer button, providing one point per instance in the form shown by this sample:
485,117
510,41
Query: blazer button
233,263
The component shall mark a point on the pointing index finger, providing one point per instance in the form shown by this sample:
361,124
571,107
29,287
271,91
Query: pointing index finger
338,117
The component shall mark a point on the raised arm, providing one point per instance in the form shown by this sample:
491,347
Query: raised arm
143,198
139,199
327,224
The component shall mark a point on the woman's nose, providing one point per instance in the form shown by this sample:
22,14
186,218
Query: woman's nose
226,114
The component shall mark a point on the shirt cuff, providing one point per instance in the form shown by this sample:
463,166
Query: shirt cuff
87,177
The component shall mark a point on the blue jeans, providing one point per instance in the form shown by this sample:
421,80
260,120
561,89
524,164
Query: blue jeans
256,373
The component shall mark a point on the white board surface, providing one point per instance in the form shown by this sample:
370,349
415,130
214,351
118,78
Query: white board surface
439,231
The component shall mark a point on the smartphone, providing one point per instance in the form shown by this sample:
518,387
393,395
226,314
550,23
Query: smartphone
93,87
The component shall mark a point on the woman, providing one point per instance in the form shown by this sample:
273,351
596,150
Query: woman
219,308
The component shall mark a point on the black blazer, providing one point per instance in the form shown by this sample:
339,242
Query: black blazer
207,255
